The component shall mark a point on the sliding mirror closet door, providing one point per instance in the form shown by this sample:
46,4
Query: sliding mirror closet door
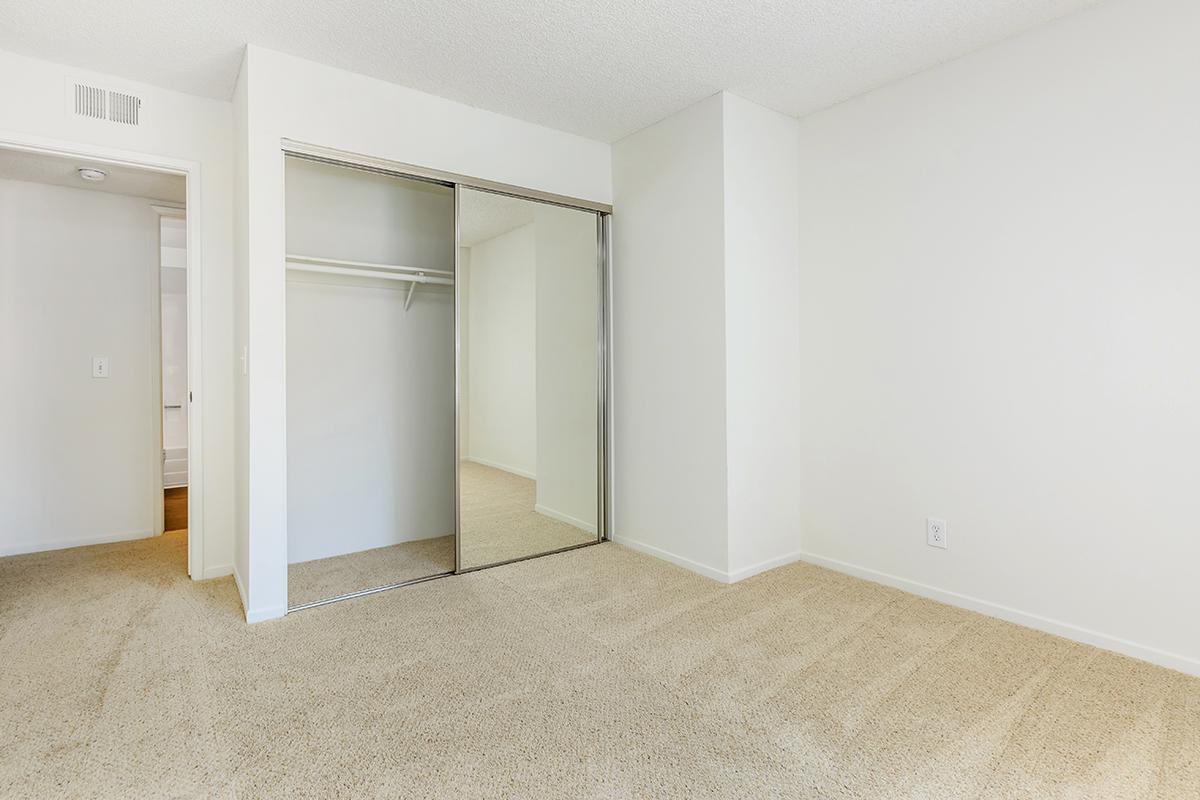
370,380
529,327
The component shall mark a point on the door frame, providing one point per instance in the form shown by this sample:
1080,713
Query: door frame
190,171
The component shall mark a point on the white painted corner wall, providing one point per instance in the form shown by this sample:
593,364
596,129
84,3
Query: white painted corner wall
982,308
762,337
1000,277
705,339
668,340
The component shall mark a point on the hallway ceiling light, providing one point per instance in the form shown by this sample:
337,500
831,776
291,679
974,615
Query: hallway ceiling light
94,175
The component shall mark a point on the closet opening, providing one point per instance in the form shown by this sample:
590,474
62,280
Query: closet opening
446,375
370,380
95,330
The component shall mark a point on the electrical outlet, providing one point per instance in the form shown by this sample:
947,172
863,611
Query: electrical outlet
937,532
100,367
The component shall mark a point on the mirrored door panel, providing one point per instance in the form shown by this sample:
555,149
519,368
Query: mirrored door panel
528,333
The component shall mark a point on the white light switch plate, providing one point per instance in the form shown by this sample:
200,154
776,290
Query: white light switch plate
99,366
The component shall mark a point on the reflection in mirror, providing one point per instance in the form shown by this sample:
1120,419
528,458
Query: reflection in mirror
528,319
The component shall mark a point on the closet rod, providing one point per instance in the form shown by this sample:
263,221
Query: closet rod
395,268
415,277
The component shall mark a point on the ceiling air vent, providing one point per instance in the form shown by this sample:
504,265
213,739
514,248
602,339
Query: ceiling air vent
96,103
89,101
124,108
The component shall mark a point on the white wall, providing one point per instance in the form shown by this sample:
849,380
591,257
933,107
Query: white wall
566,310
78,279
705,350
173,286
762,337
370,390
285,97
1001,272
503,411
177,126
668,339
241,335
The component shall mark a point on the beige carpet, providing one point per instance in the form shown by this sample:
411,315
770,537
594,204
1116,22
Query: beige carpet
595,673
324,578
498,524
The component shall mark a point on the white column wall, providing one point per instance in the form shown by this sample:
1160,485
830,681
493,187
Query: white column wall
668,340
762,337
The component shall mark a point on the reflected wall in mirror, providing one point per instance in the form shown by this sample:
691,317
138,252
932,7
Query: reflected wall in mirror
529,310
370,380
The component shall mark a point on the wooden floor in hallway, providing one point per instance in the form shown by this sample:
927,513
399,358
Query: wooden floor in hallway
175,508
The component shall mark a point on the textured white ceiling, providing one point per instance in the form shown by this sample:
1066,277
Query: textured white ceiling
19,165
599,69
483,215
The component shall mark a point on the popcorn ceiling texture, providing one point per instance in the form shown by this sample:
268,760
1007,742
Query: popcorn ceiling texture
602,70
596,673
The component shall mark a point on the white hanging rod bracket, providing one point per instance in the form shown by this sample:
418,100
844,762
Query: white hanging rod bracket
408,300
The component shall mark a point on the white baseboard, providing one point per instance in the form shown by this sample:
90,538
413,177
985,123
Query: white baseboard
502,467
567,518
721,575
63,544
1180,663
264,614
241,587
763,566
255,614
217,572
679,561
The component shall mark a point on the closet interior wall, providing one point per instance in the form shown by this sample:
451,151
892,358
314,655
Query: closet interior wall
370,379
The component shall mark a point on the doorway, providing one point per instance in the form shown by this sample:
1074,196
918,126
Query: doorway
83,247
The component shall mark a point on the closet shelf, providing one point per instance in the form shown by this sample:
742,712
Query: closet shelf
367,269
